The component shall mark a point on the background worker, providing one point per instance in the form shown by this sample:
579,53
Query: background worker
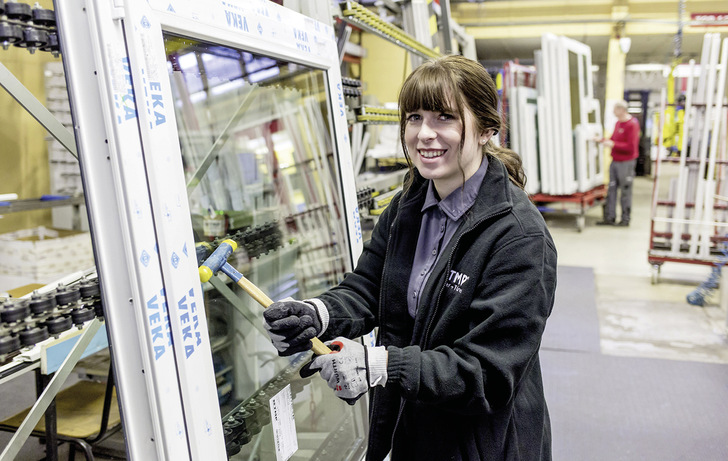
625,143
459,276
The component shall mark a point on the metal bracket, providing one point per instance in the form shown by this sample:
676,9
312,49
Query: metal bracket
36,108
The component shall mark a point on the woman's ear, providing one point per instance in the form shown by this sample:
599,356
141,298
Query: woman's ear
485,135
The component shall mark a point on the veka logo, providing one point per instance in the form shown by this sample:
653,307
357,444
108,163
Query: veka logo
237,21
456,280
301,40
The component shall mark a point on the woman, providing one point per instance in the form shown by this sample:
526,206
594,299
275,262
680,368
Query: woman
459,276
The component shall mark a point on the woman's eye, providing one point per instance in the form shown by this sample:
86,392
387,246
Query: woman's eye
446,116
413,117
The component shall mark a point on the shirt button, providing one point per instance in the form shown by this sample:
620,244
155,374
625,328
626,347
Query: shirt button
434,252
423,273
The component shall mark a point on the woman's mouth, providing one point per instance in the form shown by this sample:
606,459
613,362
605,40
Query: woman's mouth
432,153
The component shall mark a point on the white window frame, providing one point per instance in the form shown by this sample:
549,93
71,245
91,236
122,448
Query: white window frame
115,64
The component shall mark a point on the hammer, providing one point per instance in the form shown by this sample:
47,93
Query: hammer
217,261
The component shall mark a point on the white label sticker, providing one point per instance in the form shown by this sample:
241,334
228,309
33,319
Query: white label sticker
371,339
284,425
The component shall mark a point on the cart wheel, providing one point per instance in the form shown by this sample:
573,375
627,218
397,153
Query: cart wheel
656,273
580,223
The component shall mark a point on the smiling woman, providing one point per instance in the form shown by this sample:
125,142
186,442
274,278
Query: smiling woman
453,89
436,148
459,277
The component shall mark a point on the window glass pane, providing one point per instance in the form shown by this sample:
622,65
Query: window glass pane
259,162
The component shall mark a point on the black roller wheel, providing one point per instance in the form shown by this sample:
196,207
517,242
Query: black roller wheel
33,38
228,434
52,46
242,414
89,288
8,344
236,426
82,315
232,448
244,438
253,423
67,295
263,413
258,421
33,335
98,307
254,428
58,325
10,33
18,11
14,311
41,304
43,17
253,407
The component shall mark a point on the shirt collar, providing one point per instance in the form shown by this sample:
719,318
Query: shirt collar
457,203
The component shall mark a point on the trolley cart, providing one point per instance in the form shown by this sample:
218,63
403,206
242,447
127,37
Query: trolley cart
584,201
689,218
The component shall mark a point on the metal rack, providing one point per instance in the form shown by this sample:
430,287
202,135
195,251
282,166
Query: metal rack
365,118
689,217
359,16
44,202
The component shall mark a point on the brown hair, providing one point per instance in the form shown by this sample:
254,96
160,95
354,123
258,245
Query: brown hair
465,83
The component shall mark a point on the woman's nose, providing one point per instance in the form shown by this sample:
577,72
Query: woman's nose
426,132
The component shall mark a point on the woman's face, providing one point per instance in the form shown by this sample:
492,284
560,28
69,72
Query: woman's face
433,144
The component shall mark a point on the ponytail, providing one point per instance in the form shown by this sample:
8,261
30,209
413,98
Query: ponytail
511,160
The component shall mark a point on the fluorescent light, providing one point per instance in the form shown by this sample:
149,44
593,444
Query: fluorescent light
646,67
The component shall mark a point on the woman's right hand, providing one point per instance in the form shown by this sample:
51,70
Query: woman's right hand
292,325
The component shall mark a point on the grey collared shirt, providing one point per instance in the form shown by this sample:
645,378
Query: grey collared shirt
440,220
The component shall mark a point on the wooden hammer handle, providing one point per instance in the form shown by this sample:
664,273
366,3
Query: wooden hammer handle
319,348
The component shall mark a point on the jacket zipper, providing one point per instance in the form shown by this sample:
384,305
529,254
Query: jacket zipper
384,272
448,267
373,409
402,401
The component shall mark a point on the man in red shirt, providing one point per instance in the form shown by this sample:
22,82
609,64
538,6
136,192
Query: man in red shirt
624,142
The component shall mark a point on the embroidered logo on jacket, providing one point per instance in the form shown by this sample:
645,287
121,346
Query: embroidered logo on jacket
456,280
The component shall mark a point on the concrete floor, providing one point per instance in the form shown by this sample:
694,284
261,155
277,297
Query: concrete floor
636,317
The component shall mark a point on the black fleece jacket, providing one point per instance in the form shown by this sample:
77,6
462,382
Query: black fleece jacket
464,379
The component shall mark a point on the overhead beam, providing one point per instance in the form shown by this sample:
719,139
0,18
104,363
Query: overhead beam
582,18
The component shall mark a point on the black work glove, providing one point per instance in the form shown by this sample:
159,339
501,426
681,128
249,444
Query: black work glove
292,324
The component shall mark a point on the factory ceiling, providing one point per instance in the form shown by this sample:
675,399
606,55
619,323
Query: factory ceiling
508,29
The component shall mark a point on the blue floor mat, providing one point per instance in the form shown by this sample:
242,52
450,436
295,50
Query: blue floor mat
574,323
610,408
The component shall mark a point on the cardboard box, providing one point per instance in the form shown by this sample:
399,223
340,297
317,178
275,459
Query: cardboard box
45,254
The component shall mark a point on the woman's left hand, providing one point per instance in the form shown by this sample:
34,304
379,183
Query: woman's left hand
351,369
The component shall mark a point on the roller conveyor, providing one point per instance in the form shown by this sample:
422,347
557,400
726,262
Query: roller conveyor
25,322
